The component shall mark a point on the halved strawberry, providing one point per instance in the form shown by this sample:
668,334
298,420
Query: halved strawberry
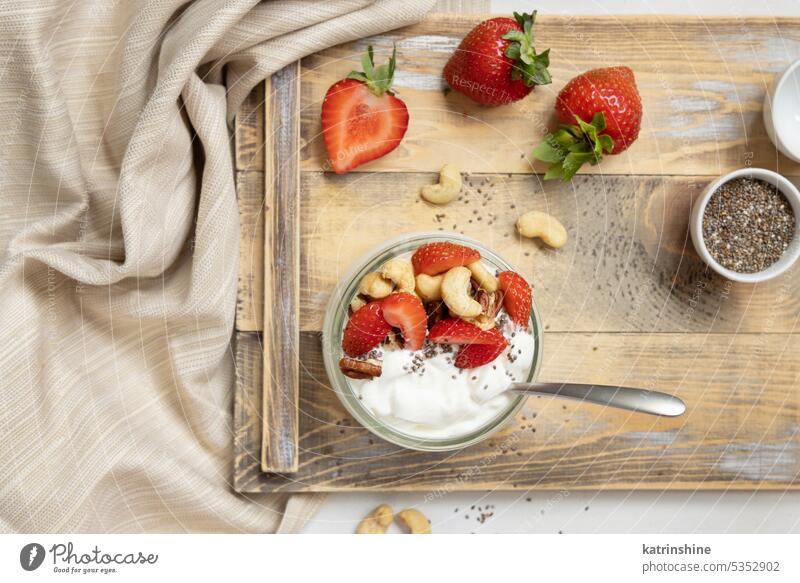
405,311
361,118
475,355
458,331
516,297
365,330
436,258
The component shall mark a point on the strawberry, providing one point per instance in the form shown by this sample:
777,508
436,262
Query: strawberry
405,311
436,258
361,118
365,330
475,355
607,106
458,331
516,297
496,63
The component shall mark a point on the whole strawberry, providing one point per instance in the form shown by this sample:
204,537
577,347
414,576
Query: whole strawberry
496,62
607,107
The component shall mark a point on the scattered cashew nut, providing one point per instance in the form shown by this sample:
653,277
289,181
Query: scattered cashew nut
377,521
429,287
455,293
448,188
375,286
414,520
483,276
543,226
401,272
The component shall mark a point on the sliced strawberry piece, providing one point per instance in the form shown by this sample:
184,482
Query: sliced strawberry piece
405,311
436,258
475,355
458,331
361,118
516,297
365,330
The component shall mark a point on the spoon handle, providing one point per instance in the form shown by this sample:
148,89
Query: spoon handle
640,400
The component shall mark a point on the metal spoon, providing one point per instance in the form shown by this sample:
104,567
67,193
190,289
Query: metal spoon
639,400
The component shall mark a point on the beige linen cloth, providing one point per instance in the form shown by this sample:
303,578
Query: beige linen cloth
119,247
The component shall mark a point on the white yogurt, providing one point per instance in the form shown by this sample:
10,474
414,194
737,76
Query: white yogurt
439,400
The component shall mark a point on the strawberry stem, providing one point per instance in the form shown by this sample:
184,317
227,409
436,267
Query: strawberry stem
571,146
528,65
378,79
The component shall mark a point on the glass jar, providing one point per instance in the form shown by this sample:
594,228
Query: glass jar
336,317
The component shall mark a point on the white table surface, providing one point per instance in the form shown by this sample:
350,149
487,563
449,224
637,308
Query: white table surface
591,512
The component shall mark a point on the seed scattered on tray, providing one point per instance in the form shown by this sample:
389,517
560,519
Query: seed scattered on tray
747,225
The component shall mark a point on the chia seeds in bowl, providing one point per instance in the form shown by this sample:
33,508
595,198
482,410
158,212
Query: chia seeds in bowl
736,229
748,225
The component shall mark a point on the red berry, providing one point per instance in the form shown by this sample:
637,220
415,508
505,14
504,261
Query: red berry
436,258
458,331
365,330
361,119
489,67
516,297
611,91
405,311
475,355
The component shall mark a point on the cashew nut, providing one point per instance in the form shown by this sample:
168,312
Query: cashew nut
483,276
544,226
482,321
429,287
448,188
357,303
455,293
401,272
375,286
414,520
377,521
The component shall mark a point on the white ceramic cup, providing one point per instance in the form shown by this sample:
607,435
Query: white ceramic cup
782,112
789,256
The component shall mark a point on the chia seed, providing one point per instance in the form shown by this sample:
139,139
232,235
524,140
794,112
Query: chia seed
747,225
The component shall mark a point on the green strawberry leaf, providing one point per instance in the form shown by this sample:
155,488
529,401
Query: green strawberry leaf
549,151
378,79
572,146
529,65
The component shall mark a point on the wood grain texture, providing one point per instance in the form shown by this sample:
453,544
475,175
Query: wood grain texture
249,132
247,410
629,265
625,302
742,428
250,293
702,82
281,273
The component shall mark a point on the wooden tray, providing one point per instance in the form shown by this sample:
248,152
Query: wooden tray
626,302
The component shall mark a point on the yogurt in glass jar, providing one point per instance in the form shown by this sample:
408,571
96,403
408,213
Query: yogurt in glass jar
421,400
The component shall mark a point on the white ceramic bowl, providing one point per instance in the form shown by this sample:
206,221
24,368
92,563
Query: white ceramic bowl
782,112
789,256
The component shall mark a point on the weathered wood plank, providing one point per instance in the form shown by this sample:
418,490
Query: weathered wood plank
249,132
247,420
742,428
702,83
250,294
625,302
629,265
281,273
